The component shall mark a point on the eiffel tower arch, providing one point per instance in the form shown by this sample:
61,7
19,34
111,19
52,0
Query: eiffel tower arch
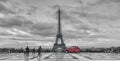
59,37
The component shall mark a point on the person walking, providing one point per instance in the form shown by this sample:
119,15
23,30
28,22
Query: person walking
27,51
39,50
33,50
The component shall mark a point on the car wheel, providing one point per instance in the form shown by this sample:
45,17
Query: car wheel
67,51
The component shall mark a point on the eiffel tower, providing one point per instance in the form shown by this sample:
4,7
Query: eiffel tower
59,46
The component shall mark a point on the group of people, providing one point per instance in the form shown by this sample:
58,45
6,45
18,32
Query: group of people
27,51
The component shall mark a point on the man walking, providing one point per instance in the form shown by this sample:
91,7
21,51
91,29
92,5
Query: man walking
39,50
27,51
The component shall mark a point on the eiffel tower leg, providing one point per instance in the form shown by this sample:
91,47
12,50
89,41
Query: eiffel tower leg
56,40
63,44
62,40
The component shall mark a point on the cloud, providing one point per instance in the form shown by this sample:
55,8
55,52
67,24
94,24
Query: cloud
3,0
13,32
44,29
4,32
6,8
14,21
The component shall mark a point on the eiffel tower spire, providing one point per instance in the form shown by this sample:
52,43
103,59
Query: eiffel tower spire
59,21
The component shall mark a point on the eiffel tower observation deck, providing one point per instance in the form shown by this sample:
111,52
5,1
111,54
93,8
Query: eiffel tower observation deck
59,47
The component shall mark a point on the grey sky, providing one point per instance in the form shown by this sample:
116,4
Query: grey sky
84,22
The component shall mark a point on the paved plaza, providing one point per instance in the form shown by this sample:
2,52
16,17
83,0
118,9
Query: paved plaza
61,57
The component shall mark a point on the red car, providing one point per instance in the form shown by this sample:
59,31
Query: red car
73,49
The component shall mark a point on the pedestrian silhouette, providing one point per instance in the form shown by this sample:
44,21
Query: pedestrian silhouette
27,51
33,50
39,50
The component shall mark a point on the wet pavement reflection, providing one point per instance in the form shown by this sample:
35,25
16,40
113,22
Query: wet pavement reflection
49,57
41,57
58,57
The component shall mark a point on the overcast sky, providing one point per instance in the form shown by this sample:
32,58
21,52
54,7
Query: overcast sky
84,22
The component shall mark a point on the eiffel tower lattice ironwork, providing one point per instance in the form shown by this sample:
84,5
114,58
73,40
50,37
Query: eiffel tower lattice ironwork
59,37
